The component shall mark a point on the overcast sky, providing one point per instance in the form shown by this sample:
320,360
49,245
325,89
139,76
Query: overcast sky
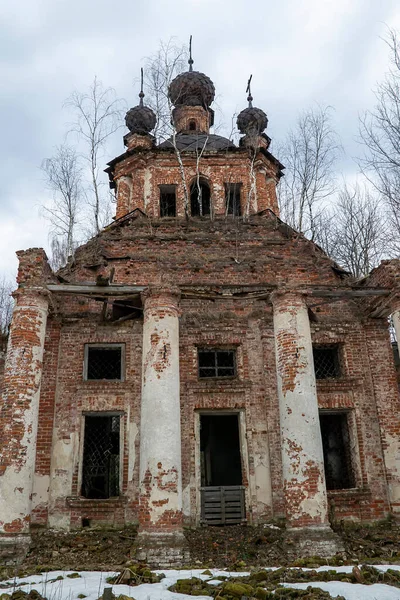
299,52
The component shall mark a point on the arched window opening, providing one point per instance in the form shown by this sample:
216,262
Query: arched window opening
200,196
192,125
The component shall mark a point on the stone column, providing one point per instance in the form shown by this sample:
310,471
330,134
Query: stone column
302,455
386,392
20,404
160,501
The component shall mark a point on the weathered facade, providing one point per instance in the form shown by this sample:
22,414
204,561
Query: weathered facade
198,361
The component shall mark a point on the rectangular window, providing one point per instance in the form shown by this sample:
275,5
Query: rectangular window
339,473
104,361
100,470
326,361
217,363
167,200
232,198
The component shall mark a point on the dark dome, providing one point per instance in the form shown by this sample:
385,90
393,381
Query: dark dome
191,89
252,120
194,143
140,119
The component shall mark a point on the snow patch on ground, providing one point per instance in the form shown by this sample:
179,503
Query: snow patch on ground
352,591
92,584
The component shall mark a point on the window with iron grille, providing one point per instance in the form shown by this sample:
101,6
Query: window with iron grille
326,361
167,200
101,456
232,199
339,473
104,361
216,362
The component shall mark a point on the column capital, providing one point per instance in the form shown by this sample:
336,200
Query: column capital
33,268
288,295
161,296
34,291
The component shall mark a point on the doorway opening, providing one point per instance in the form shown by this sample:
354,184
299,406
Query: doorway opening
101,451
220,450
222,492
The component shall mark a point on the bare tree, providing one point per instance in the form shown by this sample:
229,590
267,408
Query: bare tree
380,134
6,309
160,69
309,154
354,233
98,114
64,179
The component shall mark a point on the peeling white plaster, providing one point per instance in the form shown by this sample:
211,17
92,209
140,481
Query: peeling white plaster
302,454
186,500
64,456
40,493
392,462
133,432
160,434
16,484
262,476
147,188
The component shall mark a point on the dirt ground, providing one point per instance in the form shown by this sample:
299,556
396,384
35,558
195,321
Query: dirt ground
236,547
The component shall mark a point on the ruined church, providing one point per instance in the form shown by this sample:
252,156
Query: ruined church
198,362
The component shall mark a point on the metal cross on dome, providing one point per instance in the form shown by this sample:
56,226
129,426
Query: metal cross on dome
248,90
141,95
190,61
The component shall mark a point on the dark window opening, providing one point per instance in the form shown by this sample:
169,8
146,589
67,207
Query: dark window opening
85,522
100,472
232,199
104,362
126,309
192,125
167,201
337,454
217,363
220,450
326,361
200,199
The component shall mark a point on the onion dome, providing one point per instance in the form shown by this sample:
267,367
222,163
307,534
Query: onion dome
191,88
140,119
251,120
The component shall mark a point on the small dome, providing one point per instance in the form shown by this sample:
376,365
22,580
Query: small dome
252,120
192,89
140,119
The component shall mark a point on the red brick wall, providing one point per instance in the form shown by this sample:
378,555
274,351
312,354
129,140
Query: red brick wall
211,259
151,169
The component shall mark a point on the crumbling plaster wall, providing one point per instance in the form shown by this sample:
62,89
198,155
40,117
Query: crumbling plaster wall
201,256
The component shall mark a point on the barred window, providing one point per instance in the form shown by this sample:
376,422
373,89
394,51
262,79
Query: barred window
326,361
216,363
104,361
101,456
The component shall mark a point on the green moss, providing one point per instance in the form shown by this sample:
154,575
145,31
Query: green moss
237,590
